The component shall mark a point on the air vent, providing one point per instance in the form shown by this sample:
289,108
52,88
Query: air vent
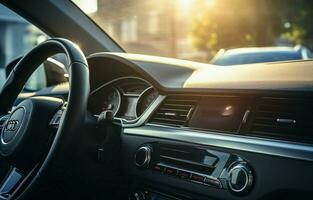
283,118
175,110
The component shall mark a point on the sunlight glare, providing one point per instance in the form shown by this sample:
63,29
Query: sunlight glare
90,6
184,4
210,3
187,4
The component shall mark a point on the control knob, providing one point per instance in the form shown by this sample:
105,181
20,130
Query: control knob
240,178
143,156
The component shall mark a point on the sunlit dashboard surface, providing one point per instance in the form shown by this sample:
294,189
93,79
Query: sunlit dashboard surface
127,97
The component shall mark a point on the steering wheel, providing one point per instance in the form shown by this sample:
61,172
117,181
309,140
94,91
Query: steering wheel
27,144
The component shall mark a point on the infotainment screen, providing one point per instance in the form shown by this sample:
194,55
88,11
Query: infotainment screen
219,113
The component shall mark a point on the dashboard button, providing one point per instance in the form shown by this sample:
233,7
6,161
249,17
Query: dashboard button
197,178
212,182
183,174
170,171
158,168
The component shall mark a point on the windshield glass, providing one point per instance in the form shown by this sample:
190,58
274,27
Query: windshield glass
198,29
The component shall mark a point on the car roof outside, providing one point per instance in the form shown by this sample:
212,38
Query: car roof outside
262,50
266,54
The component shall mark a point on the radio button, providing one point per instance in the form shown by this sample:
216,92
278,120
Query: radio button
197,178
183,175
170,171
158,168
212,182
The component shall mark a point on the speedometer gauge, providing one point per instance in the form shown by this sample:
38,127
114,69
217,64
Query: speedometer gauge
145,100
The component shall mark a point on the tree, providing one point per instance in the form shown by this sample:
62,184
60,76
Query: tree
242,23
300,17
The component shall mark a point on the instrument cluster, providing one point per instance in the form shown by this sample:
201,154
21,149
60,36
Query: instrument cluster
127,97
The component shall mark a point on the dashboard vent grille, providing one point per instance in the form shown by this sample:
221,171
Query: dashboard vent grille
285,118
175,110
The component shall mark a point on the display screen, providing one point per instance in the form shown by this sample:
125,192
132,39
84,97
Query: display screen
219,113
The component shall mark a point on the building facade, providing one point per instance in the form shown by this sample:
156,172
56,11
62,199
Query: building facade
157,27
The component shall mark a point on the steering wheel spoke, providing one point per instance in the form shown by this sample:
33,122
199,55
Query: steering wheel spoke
10,183
56,119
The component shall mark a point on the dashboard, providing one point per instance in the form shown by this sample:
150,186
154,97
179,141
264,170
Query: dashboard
196,131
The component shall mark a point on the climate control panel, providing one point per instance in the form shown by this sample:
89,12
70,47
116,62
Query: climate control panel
198,165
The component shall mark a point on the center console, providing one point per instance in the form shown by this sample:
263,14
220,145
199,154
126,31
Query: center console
193,164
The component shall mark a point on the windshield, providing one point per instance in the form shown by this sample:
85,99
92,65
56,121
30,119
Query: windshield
197,29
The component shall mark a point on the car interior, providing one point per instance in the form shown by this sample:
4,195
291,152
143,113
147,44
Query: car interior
112,124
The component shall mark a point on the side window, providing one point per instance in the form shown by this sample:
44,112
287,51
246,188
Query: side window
17,37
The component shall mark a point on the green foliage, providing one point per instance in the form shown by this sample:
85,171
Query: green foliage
242,23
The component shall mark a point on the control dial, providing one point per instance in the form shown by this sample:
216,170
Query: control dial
240,178
143,156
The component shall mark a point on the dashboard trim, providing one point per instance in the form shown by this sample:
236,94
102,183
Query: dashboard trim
145,116
120,100
236,142
140,96
116,80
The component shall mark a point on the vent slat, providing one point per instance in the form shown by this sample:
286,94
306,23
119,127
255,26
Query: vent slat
182,100
186,107
283,118
170,120
175,110
170,114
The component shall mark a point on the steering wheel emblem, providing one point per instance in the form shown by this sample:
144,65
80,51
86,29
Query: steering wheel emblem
11,128
11,125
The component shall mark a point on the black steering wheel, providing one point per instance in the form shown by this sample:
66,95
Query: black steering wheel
27,145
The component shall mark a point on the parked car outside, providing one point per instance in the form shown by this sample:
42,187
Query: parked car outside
250,55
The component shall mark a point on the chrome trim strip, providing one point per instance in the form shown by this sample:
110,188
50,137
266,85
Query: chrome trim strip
140,97
145,116
119,99
245,116
237,142
287,121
